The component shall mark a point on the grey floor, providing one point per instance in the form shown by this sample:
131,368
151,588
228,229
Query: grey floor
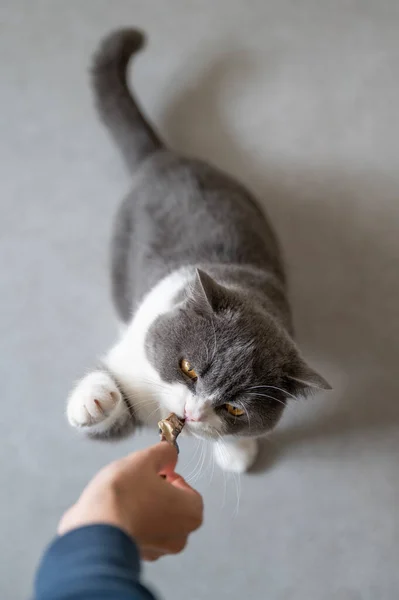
300,100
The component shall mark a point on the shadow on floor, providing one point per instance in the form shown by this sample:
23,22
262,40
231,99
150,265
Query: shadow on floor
338,228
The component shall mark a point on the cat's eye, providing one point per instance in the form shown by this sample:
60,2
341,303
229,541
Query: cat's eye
233,410
188,370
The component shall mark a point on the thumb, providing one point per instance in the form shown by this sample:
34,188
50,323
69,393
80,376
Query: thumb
163,457
178,482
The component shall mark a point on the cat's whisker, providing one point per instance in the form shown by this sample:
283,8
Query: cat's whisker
145,405
204,457
213,467
257,387
197,470
154,383
153,412
291,406
273,387
223,451
207,353
237,481
247,414
225,477
267,396
193,456
148,385
135,397
215,340
206,460
142,402
236,477
193,472
197,476
126,409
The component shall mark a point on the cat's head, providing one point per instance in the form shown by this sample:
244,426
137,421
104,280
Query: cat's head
228,367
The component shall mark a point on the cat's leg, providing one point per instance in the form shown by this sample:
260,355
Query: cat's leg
98,406
236,455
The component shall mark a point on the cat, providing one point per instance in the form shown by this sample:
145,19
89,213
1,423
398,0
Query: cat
199,286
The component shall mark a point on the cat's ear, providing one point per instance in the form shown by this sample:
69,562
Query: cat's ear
305,379
208,295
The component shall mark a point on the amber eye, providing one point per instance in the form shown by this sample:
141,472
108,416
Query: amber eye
233,410
188,370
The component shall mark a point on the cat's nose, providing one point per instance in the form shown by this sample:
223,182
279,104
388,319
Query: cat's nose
189,416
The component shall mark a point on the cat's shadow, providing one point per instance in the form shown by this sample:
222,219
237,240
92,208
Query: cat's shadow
341,258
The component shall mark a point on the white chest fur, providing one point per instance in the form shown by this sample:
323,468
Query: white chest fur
150,397
96,404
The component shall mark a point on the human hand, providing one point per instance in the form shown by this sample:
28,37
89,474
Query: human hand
159,513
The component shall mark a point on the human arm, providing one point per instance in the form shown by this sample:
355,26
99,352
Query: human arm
96,562
159,514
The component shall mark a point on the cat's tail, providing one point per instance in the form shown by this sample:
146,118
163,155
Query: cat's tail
116,106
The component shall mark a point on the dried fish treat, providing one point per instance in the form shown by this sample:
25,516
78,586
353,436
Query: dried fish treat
170,428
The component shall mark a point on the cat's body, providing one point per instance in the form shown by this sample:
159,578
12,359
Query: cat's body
197,276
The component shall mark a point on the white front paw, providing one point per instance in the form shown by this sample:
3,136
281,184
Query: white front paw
237,456
95,402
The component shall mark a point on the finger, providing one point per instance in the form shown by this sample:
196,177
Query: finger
151,555
65,521
179,482
168,545
185,490
163,456
189,503
176,545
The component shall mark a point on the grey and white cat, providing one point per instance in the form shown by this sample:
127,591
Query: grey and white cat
198,282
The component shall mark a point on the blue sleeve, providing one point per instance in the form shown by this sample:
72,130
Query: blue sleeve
98,562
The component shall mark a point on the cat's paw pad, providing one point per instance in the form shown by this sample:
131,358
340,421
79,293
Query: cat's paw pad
237,456
93,401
